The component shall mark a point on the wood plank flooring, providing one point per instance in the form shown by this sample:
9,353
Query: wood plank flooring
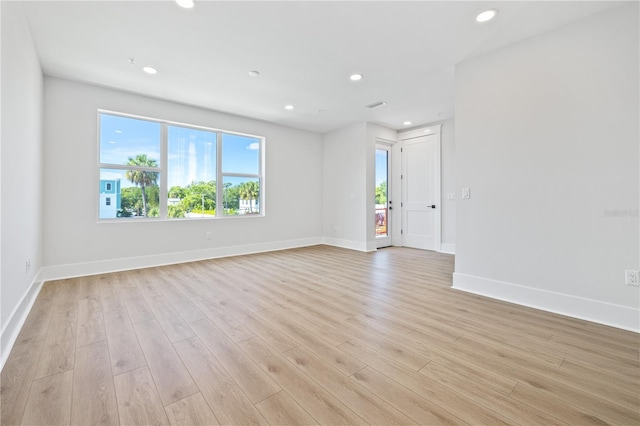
316,335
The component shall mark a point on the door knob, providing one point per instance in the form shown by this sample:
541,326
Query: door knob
433,206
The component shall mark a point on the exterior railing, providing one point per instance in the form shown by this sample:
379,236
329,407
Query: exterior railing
381,221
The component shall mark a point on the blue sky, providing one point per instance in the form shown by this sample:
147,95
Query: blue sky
381,166
191,152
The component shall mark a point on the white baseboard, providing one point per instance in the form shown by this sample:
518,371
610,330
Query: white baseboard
618,316
16,320
123,264
448,248
348,244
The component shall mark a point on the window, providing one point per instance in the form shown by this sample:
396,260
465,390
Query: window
240,174
192,172
108,203
130,156
167,170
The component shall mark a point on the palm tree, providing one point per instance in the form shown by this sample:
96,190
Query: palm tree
142,178
249,191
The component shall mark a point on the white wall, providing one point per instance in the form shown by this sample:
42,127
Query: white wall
21,175
547,140
344,187
75,243
448,183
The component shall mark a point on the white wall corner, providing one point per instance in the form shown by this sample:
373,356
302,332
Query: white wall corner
623,317
17,319
448,248
347,244
372,246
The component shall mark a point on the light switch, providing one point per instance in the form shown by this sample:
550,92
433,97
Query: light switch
466,193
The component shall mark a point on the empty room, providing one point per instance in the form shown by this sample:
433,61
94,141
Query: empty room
322,212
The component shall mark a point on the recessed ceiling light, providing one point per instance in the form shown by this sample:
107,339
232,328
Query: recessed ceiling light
289,107
187,4
118,131
407,123
254,73
112,141
355,77
487,15
150,70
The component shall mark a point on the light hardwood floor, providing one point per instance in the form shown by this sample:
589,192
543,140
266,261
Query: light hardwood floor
306,336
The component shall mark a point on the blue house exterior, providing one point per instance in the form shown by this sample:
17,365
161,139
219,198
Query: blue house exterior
110,198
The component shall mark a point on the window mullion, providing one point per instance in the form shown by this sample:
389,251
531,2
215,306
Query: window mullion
164,170
219,187
247,175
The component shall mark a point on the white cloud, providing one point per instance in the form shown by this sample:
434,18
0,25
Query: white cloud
254,146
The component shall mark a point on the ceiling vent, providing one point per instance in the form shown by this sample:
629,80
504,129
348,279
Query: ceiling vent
376,104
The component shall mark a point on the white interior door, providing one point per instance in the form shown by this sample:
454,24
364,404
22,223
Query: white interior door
384,203
421,192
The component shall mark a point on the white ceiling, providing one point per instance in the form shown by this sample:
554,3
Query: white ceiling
305,52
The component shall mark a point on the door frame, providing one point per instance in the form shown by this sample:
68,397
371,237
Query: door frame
412,134
387,146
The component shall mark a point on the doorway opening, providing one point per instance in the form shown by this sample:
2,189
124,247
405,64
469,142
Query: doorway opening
383,204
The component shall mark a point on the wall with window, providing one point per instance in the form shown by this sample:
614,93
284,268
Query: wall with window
21,177
547,137
77,242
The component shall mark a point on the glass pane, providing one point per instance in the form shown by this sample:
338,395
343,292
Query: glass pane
126,140
240,154
382,157
241,195
128,193
191,177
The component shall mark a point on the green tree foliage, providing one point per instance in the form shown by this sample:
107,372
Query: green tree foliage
177,192
197,194
192,198
141,178
176,211
131,201
231,198
130,196
381,193
249,190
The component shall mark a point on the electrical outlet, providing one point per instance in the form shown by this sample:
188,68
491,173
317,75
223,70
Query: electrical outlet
207,236
27,266
631,277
